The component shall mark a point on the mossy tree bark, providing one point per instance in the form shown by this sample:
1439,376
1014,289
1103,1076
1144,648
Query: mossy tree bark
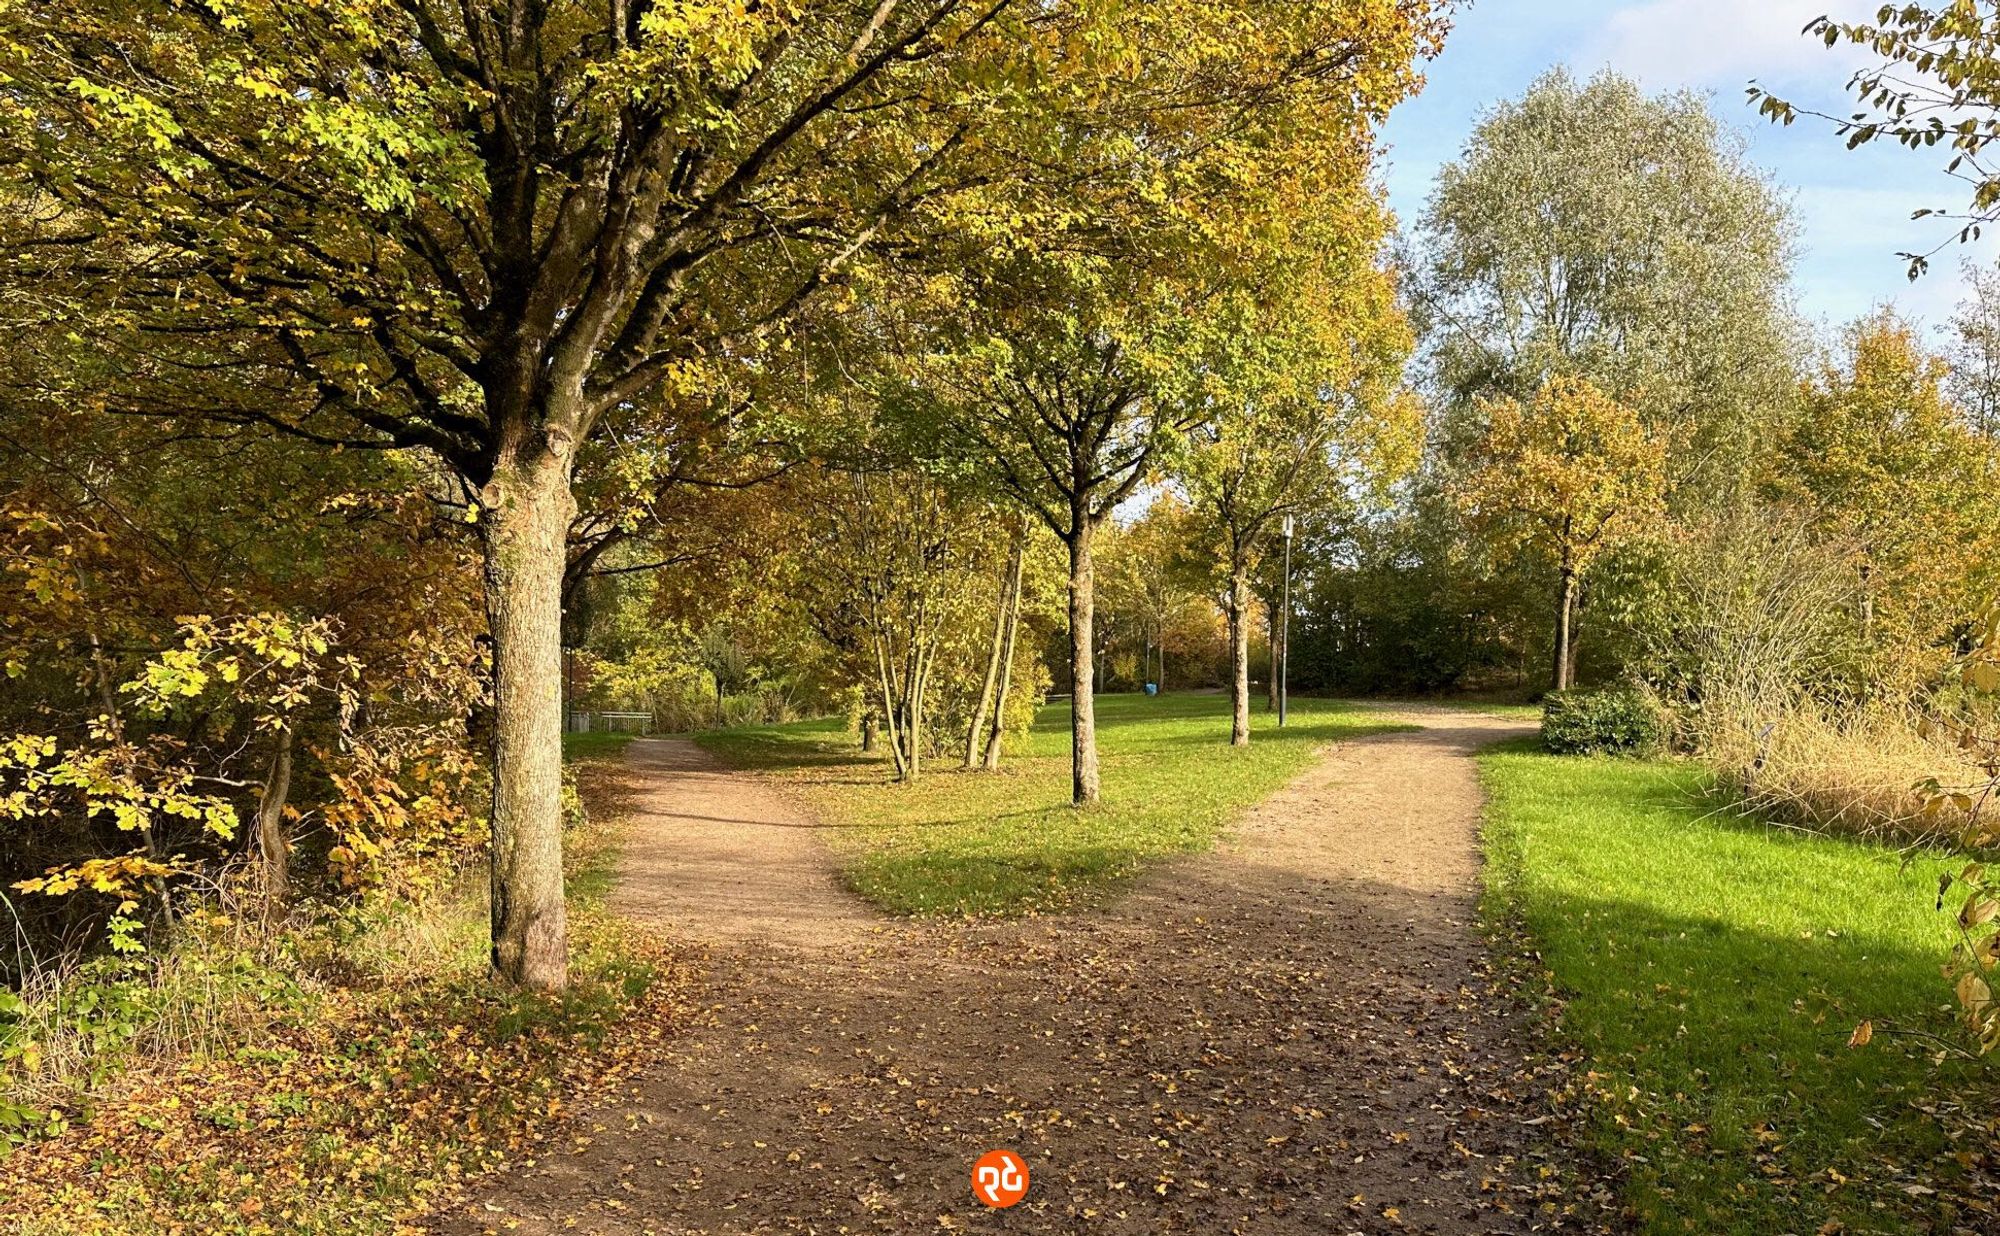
527,509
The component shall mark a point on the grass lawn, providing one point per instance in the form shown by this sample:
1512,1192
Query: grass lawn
1009,843
1712,972
593,745
1494,708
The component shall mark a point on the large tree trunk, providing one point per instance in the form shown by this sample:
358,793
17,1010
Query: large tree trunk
1084,786
1239,652
993,736
274,879
528,508
1565,609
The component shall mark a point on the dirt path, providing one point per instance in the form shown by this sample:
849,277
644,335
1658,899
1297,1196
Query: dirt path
726,851
1285,1036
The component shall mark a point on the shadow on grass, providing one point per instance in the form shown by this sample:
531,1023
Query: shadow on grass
1318,731
1725,1085
1712,970
972,842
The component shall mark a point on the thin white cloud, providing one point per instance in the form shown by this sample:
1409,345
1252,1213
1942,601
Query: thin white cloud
1722,44
1852,236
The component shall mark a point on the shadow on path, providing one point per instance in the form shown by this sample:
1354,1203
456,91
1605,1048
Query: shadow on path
1289,1035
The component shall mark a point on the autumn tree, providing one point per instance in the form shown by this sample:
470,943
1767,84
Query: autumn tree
1572,473
281,637
891,574
1313,410
1887,465
1157,570
1591,229
499,234
993,687
1973,376
1068,371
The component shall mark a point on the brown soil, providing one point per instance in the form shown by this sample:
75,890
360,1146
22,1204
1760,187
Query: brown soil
1291,1035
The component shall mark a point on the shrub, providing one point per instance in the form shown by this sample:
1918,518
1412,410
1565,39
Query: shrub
574,813
1612,721
1836,767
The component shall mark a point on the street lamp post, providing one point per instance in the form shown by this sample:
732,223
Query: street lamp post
1285,626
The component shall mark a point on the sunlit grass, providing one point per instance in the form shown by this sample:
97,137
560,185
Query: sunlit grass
1009,842
1713,970
593,744
1508,709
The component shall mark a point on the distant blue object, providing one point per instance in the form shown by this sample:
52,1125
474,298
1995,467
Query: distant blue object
1152,688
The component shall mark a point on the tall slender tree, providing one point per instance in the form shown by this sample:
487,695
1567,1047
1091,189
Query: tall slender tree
1590,229
1572,473
1315,411
1069,370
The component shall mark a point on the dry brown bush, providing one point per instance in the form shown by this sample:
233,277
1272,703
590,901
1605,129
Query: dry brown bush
1859,770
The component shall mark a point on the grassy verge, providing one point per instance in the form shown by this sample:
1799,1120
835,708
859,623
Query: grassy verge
1712,972
1009,843
594,745
357,1072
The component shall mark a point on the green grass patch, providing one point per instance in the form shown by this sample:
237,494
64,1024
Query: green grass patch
1712,970
594,745
1512,710
977,843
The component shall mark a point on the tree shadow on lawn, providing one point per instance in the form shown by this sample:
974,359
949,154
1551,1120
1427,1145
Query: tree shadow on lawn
1727,1086
1122,732
805,744
1318,731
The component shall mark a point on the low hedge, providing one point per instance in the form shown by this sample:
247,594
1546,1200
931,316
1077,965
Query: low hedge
1621,720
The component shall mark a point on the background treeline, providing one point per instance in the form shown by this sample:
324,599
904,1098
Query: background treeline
1641,464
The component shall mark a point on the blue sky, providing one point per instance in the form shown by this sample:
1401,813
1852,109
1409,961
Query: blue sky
1853,207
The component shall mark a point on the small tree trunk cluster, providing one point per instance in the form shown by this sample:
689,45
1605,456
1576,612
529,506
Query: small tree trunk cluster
904,680
1004,617
993,736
